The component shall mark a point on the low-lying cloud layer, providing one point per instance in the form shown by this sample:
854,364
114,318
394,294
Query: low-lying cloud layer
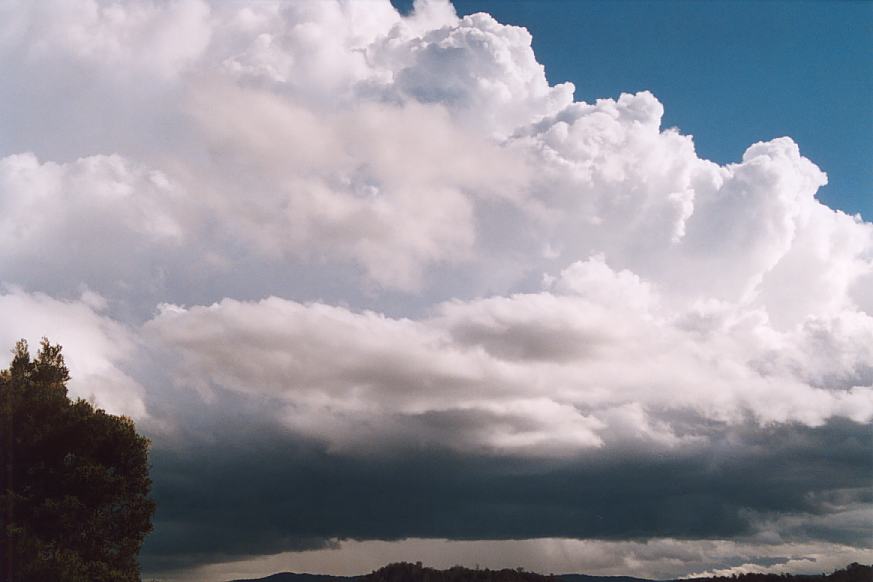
364,275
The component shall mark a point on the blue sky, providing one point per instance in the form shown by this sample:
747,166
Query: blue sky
729,73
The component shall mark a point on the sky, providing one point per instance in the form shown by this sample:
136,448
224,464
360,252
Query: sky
733,72
465,284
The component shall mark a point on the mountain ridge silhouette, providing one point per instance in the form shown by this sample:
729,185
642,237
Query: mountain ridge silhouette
408,572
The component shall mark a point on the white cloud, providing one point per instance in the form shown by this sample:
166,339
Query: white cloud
100,221
155,38
392,188
483,71
344,133
95,347
430,153
543,373
613,182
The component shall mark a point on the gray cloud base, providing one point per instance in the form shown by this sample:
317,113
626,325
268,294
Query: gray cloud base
303,497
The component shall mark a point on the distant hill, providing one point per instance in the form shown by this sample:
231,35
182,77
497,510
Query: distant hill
291,577
405,572
588,578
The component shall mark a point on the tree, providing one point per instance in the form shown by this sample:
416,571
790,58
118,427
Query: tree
74,489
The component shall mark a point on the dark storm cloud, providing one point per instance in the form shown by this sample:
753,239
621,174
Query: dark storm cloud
271,493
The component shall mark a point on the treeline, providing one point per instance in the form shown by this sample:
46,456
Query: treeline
406,572
851,573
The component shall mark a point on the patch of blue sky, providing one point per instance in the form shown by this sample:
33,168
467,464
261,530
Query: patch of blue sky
730,73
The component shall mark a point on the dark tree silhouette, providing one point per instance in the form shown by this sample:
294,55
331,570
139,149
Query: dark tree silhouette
406,572
74,490
854,572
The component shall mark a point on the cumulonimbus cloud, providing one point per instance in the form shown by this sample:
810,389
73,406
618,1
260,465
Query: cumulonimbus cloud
509,273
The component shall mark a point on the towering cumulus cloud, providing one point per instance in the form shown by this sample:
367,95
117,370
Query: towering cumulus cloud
368,275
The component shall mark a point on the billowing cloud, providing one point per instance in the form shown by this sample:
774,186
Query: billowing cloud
99,221
391,187
100,345
540,372
375,237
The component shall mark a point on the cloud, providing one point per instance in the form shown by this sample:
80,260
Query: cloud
738,488
483,71
372,236
617,184
155,38
420,147
96,346
360,185
58,220
544,372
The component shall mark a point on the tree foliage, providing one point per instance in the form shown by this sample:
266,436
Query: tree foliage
406,572
854,572
74,489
